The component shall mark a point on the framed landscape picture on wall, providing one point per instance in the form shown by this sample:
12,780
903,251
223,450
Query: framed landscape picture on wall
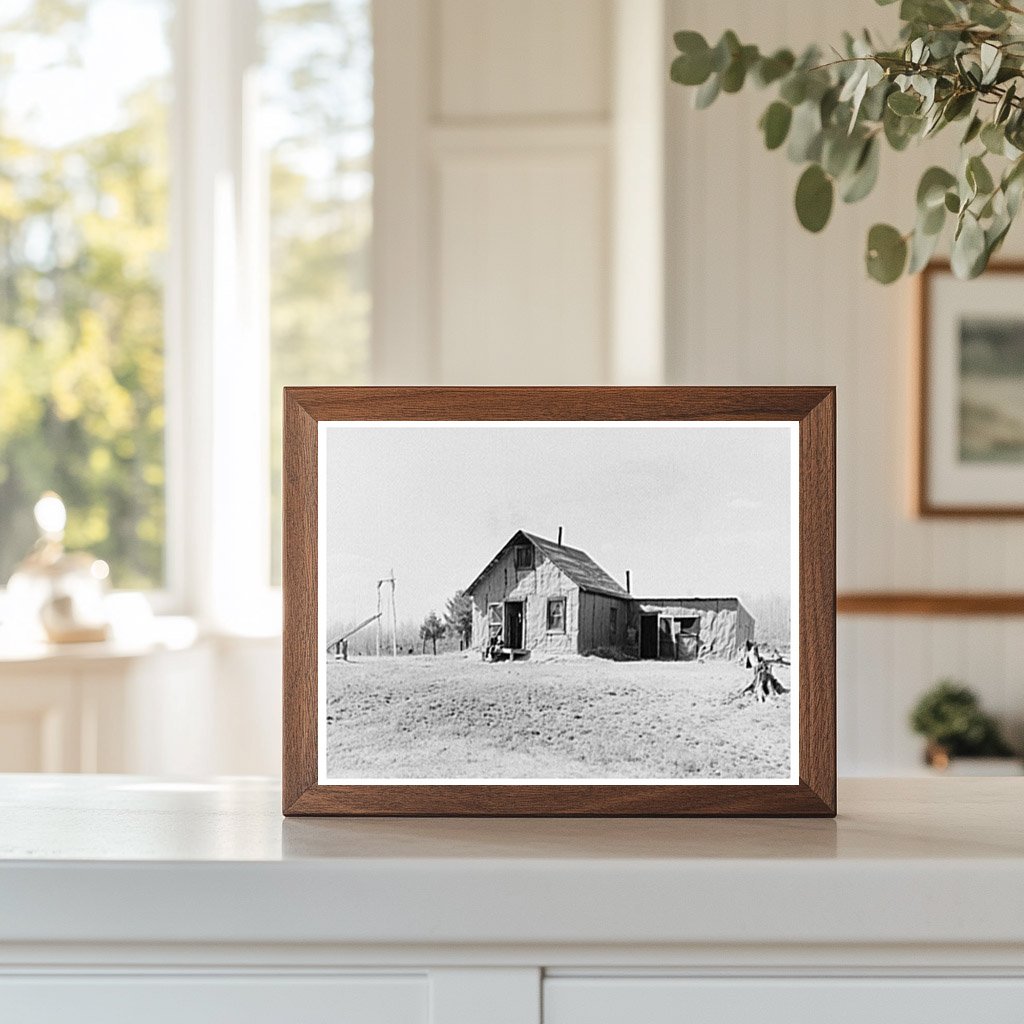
970,445
533,601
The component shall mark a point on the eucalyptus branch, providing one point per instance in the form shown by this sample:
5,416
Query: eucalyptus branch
954,60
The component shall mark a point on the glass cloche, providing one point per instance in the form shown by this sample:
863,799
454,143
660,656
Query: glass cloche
56,595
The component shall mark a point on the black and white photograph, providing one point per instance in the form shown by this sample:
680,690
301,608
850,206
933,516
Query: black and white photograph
553,602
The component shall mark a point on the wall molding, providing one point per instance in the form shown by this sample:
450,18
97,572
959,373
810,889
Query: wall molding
918,603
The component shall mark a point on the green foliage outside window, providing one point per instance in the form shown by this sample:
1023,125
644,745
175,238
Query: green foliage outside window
82,233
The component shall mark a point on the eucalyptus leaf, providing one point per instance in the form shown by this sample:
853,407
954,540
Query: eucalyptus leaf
900,130
814,196
707,93
735,74
903,103
886,253
968,248
771,69
1005,105
775,124
931,190
932,221
794,88
987,15
922,248
958,105
724,51
840,152
805,133
865,173
978,176
991,60
973,130
691,70
993,138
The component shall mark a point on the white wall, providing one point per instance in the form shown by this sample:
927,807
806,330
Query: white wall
496,210
754,299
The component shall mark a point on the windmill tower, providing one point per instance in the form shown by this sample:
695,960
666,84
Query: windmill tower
386,614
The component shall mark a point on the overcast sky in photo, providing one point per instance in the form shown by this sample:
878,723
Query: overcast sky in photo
689,510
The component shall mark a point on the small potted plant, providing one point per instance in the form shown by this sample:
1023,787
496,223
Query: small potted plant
950,717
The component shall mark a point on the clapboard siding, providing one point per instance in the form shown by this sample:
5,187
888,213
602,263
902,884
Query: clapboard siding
753,299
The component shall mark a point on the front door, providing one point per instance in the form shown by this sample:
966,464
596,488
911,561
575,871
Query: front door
514,631
648,636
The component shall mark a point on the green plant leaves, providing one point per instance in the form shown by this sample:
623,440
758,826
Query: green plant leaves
887,253
775,122
969,255
956,60
805,133
865,173
693,65
993,138
904,103
978,176
771,69
932,189
814,196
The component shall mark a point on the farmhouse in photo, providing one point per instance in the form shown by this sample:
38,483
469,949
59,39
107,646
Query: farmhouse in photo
540,595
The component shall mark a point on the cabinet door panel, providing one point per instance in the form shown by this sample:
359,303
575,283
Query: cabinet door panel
782,1001
202,999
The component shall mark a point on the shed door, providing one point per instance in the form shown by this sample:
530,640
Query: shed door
514,633
648,636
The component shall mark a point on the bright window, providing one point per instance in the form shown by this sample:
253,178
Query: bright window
237,212
317,119
83,238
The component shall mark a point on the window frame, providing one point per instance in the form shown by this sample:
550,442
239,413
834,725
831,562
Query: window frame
530,558
554,602
216,342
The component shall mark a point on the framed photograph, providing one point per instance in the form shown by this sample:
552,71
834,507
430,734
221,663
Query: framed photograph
970,445
559,601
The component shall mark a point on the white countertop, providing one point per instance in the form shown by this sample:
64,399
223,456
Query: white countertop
120,859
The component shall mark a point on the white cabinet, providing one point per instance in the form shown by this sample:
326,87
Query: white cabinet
829,1000
133,899
101,707
216,1000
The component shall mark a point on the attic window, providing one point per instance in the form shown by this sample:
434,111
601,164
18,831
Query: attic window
524,556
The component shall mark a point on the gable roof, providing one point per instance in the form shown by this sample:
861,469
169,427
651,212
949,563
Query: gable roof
576,564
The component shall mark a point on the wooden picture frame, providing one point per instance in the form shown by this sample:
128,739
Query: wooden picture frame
933,418
810,791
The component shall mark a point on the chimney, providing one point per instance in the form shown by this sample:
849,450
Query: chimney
628,591
559,536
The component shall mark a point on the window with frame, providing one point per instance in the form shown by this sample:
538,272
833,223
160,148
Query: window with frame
556,614
524,556
84,171
264,281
